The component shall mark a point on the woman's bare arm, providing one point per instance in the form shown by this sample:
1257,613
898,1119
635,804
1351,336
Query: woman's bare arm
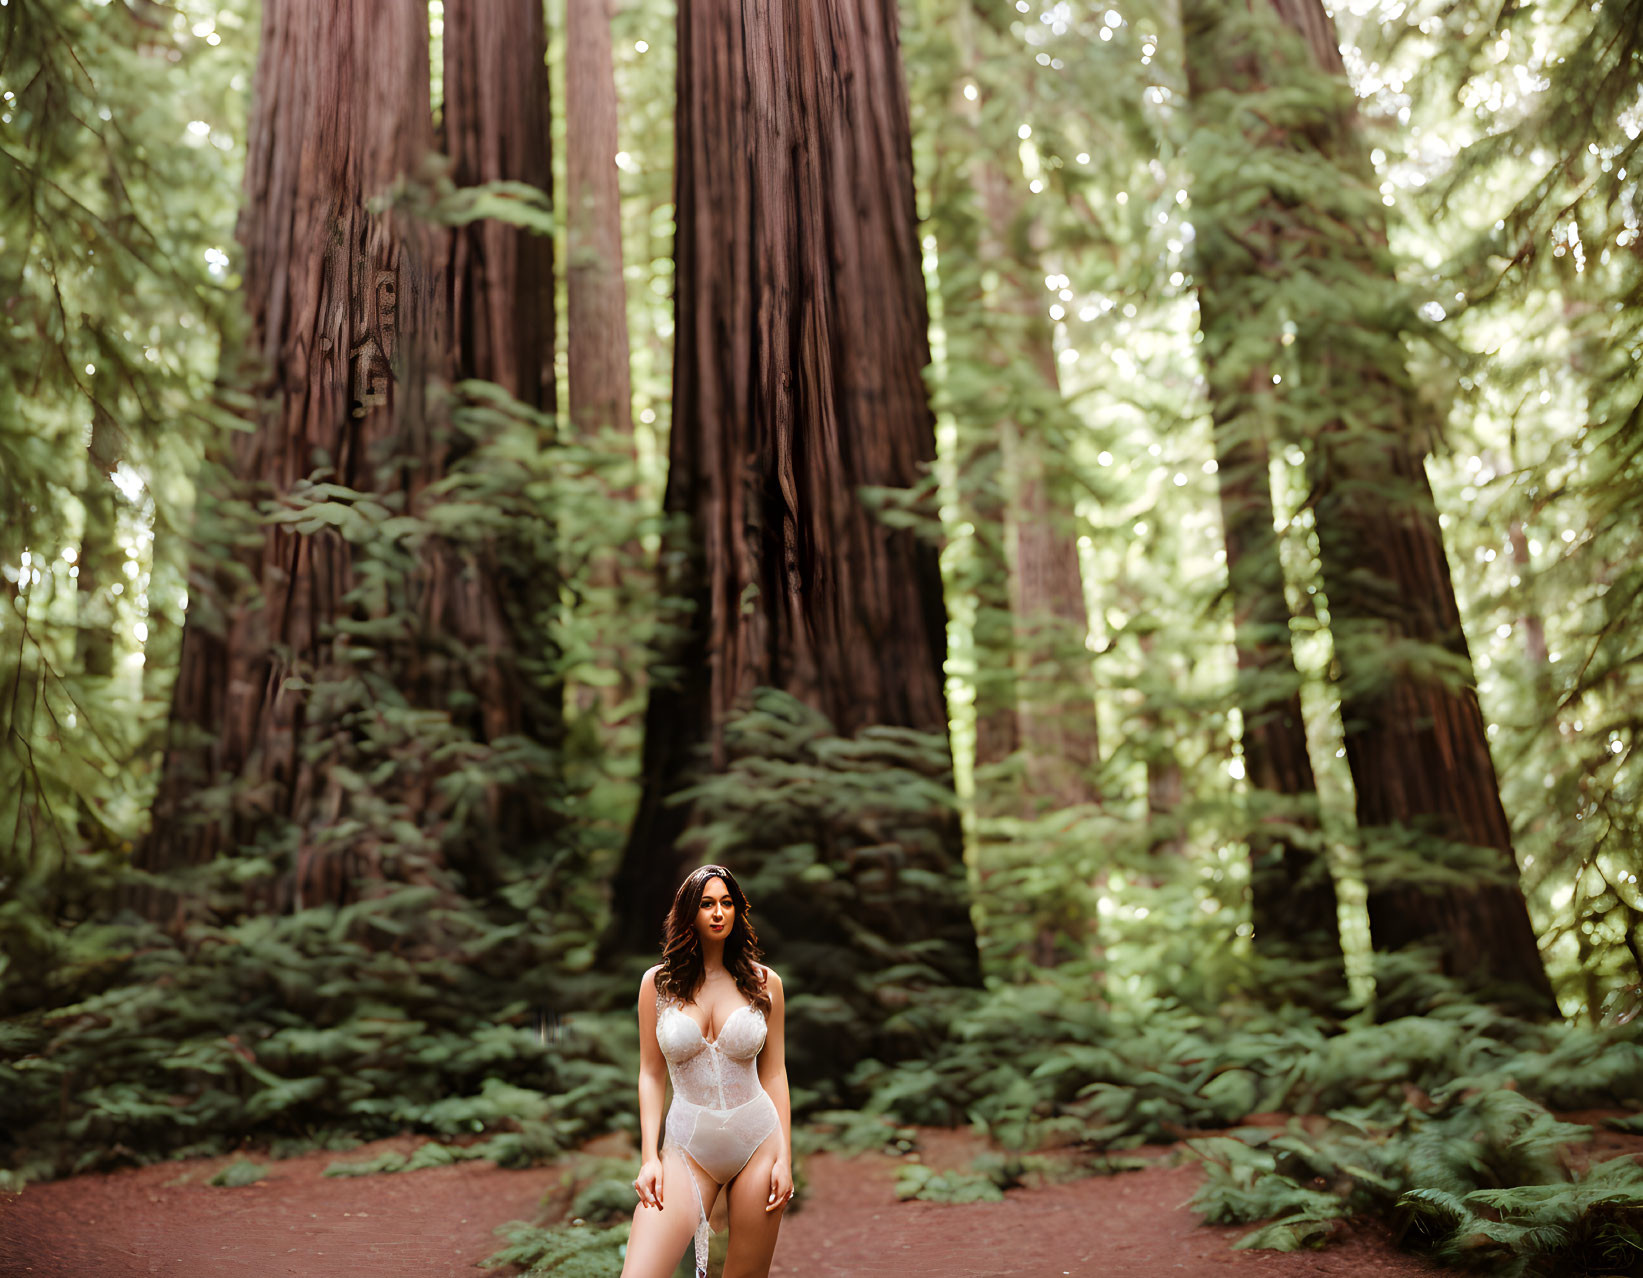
652,1072
773,1062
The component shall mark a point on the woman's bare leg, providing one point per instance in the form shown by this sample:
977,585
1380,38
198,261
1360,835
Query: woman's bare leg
752,1228
660,1237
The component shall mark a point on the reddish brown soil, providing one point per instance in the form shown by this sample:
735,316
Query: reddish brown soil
1129,1225
168,1220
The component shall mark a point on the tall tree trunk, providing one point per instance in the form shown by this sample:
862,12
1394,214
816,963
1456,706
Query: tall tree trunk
99,560
1035,687
1165,790
496,125
797,381
1024,418
983,569
496,119
601,395
348,311
601,391
1055,683
344,307
1294,908
1414,733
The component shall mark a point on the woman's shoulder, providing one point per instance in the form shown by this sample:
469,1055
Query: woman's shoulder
647,982
767,977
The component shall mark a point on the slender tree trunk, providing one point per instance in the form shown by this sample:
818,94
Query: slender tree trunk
797,382
1055,684
1294,908
1025,418
99,560
1165,790
998,721
348,311
1414,733
983,571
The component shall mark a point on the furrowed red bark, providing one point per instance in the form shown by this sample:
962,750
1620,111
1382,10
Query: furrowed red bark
349,321
797,381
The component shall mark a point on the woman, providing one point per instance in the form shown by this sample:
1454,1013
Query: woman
706,1012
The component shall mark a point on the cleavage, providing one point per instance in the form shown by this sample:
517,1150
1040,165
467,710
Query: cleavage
711,1041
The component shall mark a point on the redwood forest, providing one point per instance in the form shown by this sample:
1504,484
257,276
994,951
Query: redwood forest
1120,521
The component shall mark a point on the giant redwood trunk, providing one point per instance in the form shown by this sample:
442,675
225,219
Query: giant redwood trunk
303,680
1414,733
797,382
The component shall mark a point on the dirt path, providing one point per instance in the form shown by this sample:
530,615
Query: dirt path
167,1220
1131,1225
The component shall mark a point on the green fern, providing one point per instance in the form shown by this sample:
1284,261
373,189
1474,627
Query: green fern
564,1251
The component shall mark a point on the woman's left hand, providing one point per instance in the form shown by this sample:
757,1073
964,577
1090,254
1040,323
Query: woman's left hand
781,1185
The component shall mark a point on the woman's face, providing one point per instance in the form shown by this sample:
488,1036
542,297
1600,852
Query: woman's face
716,912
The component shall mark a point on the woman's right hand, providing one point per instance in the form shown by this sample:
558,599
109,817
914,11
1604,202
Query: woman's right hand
649,1184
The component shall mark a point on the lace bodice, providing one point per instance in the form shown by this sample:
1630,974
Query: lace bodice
719,1073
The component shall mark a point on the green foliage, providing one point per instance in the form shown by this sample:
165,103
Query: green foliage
1125,1002
607,1198
915,1180
992,1173
832,836
429,1154
851,1131
117,195
1593,1224
566,1251
1478,1177
1037,1065
242,1171
410,1008
293,1028
1242,1183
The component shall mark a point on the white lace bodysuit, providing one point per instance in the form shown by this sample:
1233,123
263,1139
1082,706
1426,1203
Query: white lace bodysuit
721,1113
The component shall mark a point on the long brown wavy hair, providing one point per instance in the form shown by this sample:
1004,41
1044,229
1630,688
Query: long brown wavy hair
682,970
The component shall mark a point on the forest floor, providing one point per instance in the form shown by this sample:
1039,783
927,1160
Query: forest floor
166,1219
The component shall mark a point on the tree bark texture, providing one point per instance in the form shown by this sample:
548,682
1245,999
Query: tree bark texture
797,382
1414,733
601,394
349,318
598,358
496,126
